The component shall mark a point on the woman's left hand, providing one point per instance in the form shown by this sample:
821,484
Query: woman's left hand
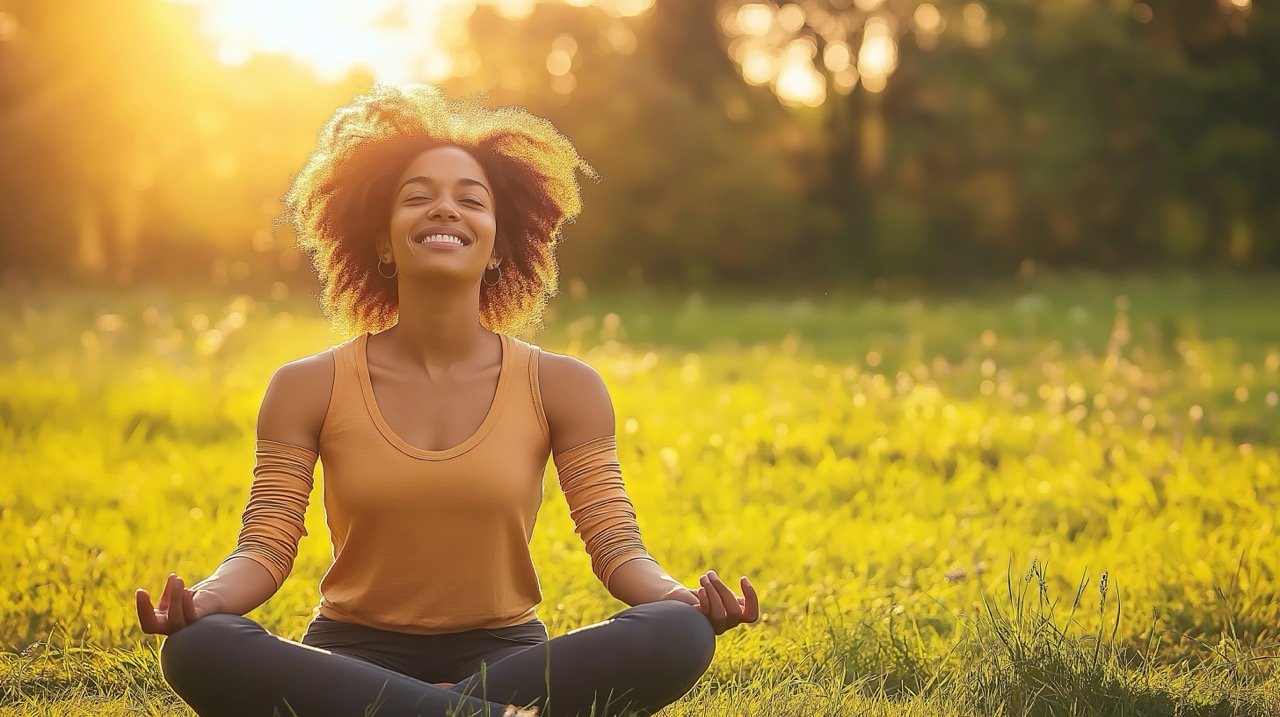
724,609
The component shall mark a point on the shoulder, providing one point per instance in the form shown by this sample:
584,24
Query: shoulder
305,374
296,401
567,373
575,399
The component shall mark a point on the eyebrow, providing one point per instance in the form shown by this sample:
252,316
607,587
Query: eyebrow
464,180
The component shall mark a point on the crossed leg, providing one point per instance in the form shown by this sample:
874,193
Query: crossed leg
641,658
227,665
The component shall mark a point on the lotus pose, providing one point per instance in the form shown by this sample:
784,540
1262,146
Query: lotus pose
433,223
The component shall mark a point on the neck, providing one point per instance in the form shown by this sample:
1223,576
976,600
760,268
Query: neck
439,324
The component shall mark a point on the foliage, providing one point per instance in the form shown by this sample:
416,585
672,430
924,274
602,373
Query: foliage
1046,133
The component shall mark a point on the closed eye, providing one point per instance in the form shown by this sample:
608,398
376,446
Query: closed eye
468,200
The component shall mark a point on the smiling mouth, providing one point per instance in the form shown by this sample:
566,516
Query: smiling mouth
436,237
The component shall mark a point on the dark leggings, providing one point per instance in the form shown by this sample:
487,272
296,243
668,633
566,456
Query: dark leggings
635,662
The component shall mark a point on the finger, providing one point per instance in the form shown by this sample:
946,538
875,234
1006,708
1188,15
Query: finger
732,611
146,614
751,601
727,598
189,606
177,620
702,601
163,606
717,613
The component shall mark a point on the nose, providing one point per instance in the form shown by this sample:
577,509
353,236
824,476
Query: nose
444,210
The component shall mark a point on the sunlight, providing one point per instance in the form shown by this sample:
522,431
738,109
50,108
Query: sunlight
800,84
927,18
755,18
515,9
395,41
801,49
836,57
878,56
757,67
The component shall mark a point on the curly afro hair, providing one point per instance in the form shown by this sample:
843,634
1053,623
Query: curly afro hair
341,200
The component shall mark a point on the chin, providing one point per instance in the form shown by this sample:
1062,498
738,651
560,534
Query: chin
444,273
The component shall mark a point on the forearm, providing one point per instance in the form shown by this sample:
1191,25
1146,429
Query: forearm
237,586
641,581
272,525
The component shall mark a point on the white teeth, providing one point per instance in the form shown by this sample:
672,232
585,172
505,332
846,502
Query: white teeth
442,238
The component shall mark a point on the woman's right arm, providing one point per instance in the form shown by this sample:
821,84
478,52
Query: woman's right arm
289,421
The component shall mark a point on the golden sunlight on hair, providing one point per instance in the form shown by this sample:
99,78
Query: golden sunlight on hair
340,201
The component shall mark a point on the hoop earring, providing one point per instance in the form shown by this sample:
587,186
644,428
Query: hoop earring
395,270
495,281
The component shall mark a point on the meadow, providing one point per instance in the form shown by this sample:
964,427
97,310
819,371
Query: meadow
1056,497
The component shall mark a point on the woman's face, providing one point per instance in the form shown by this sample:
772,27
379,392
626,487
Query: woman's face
443,197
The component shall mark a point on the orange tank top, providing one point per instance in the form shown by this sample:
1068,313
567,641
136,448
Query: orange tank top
430,541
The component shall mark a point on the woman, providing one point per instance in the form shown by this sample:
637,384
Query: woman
433,223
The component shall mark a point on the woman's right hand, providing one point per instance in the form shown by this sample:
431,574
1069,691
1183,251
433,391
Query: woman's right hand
178,607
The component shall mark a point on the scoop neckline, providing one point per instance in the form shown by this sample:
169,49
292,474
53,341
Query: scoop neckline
371,403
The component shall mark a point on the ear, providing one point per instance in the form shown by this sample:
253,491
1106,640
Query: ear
494,259
382,247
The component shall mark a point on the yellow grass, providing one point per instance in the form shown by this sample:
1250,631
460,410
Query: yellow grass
885,471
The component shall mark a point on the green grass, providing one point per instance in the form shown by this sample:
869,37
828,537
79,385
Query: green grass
927,491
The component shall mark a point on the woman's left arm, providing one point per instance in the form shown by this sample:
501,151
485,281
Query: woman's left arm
581,419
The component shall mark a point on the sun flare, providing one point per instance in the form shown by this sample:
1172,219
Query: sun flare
395,40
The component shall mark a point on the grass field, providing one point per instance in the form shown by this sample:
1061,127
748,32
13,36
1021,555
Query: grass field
1050,499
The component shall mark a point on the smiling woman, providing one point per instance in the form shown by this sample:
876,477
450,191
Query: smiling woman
338,203
445,205
435,425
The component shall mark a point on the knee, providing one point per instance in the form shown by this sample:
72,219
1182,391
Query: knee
683,634
186,655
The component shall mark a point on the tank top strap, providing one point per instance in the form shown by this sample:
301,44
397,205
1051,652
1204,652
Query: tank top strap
345,375
517,363
531,391
345,397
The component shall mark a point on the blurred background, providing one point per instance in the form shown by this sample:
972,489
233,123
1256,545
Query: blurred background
820,143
